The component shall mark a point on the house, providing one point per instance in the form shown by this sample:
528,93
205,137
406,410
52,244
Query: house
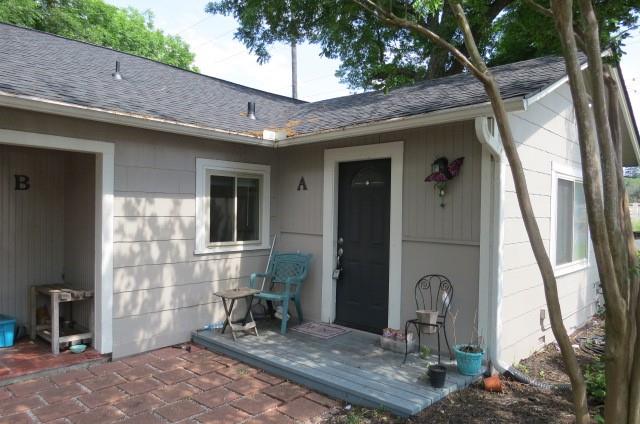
106,182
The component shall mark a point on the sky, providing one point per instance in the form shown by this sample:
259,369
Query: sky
218,54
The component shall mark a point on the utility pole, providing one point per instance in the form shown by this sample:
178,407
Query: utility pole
294,70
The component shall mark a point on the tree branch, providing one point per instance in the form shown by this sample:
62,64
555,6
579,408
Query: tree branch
539,8
549,13
390,18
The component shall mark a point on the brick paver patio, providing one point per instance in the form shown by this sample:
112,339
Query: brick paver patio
165,386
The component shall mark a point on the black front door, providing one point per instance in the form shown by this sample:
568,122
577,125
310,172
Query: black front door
362,289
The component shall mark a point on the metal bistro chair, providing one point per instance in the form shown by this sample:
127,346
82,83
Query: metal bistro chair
433,292
289,269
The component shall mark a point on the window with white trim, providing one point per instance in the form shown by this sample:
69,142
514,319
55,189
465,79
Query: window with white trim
571,241
232,206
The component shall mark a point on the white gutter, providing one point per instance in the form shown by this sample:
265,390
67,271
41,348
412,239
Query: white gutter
270,138
437,117
532,98
627,113
36,104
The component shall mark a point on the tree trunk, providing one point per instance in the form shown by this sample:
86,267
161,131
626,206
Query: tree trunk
601,222
634,316
533,231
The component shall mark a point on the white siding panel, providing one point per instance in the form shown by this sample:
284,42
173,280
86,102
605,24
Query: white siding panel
519,255
527,132
521,278
184,273
541,205
538,183
140,333
546,133
167,298
154,228
515,231
145,205
152,180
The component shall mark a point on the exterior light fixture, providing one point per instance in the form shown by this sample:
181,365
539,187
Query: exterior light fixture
441,172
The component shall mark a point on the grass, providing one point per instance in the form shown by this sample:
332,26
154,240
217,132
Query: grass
635,223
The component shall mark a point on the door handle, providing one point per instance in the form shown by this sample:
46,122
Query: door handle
337,273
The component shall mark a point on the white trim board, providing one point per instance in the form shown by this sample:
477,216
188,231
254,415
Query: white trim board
104,152
332,158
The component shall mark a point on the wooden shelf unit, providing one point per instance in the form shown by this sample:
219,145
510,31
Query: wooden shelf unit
52,333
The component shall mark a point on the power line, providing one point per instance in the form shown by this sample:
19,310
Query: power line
227,58
215,38
194,24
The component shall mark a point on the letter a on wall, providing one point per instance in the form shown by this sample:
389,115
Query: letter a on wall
22,182
302,185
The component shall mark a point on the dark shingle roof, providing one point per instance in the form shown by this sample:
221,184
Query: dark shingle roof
515,80
42,65
37,64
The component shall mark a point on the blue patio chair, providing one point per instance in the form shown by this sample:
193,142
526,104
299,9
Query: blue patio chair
290,270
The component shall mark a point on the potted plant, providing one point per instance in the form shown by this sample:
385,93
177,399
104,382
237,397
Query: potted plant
436,373
469,355
469,358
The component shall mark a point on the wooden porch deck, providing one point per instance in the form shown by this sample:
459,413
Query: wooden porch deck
351,367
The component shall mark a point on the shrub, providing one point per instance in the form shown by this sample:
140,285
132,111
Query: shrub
596,385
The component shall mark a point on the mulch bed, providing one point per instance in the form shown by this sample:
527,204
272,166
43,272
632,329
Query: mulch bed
518,403
547,364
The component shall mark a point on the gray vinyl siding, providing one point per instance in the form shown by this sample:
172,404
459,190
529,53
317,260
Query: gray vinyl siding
46,232
162,291
31,226
546,133
435,239
79,229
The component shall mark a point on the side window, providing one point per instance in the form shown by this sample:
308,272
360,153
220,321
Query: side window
571,241
232,203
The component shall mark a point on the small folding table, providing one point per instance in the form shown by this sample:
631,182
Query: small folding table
245,324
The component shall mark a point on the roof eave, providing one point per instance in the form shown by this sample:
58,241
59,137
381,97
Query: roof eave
36,104
118,118
443,116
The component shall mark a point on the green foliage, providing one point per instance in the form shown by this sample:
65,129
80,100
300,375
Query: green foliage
425,8
377,56
522,33
97,22
425,352
522,368
359,415
632,186
596,384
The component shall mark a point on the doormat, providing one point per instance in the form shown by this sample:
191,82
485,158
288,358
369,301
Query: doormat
320,329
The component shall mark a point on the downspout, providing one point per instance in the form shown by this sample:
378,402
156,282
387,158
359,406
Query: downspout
493,171
491,234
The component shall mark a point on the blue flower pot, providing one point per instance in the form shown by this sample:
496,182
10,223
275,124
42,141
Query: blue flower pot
468,363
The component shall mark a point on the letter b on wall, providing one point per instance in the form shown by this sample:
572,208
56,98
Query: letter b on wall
23,182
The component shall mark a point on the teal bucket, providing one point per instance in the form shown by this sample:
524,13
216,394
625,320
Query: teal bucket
468,363
7,330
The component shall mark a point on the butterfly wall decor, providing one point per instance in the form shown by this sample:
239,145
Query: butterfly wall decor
442,171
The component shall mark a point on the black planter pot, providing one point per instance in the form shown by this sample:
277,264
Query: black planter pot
437,374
